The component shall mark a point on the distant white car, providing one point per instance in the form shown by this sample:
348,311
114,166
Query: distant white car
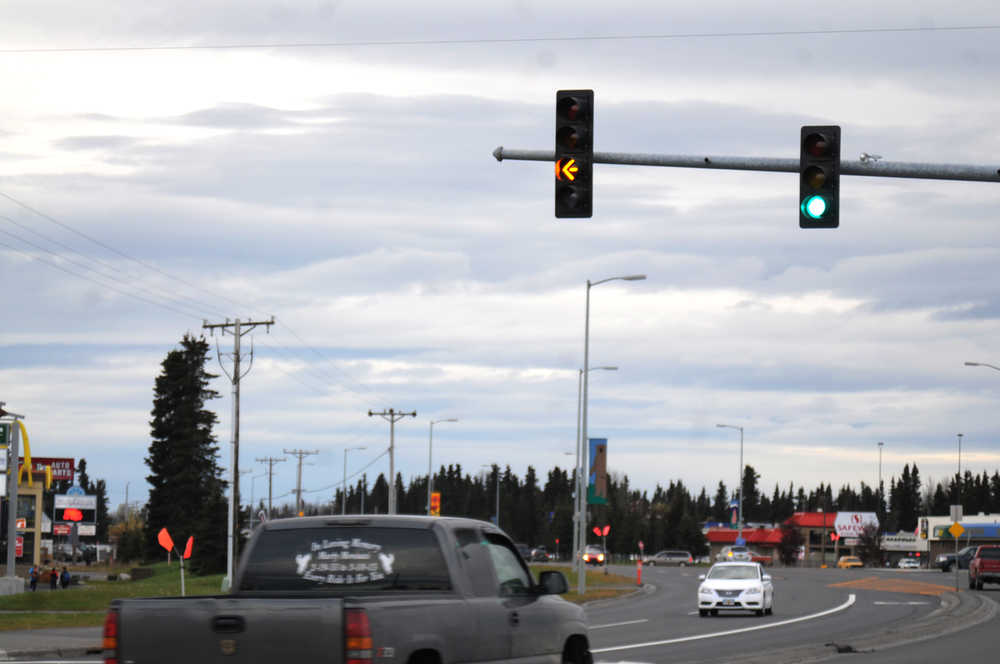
908,563
735,587
735,553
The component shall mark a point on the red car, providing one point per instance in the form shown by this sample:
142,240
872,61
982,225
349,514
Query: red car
984,566
762,558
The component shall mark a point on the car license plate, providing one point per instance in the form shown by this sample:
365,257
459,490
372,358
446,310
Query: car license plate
727,602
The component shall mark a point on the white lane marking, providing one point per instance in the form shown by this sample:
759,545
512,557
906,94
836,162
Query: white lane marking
627,622
850,601
900,603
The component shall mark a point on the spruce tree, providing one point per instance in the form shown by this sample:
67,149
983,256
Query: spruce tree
187,490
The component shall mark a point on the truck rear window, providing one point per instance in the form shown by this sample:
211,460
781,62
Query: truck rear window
346,557
992,554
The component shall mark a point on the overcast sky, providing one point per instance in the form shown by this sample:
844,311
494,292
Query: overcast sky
329,163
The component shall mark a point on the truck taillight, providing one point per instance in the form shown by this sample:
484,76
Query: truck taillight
110,642
357,637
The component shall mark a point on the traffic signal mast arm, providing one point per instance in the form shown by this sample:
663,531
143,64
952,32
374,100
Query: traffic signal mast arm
869,168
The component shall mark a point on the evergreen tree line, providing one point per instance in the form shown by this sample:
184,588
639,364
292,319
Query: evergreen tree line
187,494
672,516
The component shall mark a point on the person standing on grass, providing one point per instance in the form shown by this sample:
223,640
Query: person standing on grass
53,579
64,578
33,577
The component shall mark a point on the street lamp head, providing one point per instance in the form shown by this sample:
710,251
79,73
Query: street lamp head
603,369
972,364
634,277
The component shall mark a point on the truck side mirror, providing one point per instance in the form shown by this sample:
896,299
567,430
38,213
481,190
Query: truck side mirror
552,583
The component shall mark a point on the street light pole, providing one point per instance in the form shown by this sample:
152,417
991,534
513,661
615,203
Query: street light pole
981,364
732,426
879,492
581,586
430,475
958,485
491,467
579,493
343,502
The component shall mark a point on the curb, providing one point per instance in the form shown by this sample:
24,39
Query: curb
645,589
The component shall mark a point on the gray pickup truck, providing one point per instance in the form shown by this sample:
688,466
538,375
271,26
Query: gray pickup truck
362,590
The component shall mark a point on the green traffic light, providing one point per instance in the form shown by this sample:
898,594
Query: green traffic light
814,207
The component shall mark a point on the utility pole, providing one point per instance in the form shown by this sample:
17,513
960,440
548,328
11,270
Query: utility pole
298,482
13,474
270,461
239,328
392,416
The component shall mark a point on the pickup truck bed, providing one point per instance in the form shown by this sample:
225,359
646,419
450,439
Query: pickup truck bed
363,590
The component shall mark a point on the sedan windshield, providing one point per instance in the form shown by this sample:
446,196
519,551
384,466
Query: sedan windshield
735,572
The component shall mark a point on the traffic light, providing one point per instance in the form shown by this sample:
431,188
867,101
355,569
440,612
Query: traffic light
435,503
819,177
574,153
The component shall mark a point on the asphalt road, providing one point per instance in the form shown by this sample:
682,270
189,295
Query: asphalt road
812,607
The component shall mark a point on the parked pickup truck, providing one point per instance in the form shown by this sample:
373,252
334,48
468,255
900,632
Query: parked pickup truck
984,567
363,590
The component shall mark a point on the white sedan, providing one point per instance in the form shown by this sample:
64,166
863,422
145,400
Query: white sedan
908,563
735,587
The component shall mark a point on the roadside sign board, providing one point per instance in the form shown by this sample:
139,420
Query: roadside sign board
956,513
850,524
19,546
956,530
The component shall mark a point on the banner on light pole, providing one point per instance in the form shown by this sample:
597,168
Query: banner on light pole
597,481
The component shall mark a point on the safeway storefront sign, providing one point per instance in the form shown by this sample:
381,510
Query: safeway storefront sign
850,524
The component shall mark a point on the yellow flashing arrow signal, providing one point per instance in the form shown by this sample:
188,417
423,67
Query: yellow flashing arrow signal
569,170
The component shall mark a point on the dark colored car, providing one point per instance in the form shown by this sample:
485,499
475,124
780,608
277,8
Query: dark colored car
524,550
540,555
946,561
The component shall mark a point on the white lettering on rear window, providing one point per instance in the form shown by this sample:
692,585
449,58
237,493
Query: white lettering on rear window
344,562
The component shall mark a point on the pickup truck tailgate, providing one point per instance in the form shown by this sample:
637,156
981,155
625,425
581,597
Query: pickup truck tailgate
231,630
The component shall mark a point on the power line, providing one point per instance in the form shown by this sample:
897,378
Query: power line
176,300
346,380
501,40
94,281
113,250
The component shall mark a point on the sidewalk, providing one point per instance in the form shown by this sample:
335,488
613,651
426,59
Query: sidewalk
55,642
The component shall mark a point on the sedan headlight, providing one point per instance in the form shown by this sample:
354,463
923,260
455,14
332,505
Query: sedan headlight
702,590
752,591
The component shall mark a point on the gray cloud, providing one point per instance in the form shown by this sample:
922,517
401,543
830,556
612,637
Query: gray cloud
95,143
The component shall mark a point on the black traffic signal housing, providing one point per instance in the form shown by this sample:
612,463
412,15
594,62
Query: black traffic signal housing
819,177
574,153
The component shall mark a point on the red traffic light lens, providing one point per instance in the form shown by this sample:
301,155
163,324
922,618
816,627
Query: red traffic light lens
818,145
569,108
